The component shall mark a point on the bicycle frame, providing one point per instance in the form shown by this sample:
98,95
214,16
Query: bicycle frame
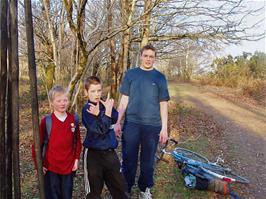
208,165
198,165
181,156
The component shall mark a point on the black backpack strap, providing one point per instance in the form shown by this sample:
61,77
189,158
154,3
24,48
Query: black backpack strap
76,120
47,133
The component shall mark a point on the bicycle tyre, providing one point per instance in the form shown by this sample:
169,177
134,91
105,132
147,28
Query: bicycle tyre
226,175
215,167
186,154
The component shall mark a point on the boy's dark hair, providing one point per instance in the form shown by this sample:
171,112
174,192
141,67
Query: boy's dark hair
147,47
91,80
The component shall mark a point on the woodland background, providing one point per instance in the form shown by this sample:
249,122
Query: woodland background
64,41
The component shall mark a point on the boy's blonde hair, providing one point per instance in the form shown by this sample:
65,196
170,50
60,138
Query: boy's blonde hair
55,91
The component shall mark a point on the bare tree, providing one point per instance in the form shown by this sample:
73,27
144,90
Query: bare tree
34,98
128,8
93,36
146,24
15,95
3,83
83,45
9,129
46,4
218,21
110,4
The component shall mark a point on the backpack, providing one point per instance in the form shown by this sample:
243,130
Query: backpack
195,178
48,123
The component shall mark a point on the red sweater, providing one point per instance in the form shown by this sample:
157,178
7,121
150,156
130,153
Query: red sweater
60,154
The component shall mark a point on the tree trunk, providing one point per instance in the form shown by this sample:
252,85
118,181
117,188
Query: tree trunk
187,68
3,84
50,75
51,48
78,34
61,34
46,4
15,96
127,14
76,78
146,24
85,53
9,139
9,122
34,98
112,50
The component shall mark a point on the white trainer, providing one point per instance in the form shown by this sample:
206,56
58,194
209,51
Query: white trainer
146,194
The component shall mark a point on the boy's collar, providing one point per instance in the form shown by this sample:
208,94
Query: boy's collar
90,102
58,114
94,103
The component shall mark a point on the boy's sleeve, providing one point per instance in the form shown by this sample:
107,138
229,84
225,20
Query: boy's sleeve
42,131
96,124
125,86
114,116
163,92
78,146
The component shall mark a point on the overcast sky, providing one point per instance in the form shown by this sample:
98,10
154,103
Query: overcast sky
251,46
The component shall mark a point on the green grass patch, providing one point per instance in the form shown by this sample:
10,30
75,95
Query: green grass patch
199,146
169,183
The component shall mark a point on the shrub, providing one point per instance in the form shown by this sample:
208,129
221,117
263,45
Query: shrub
255,88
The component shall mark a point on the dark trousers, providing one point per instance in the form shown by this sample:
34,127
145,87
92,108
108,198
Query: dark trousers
104,167
146,138
58,186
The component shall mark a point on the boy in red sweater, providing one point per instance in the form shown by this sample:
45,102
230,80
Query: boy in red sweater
61,157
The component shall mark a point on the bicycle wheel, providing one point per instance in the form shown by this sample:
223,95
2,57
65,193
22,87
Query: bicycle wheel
187,155
226,175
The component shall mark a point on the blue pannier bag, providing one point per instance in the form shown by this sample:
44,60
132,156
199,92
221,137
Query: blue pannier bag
196,178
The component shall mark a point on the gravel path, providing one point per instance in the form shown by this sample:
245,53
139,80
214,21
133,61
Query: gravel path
243,143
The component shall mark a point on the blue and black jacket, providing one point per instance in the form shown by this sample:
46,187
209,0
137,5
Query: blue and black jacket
100,133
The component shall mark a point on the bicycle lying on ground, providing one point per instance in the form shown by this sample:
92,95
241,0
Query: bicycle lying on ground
200,173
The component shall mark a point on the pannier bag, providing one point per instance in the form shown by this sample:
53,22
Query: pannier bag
195,178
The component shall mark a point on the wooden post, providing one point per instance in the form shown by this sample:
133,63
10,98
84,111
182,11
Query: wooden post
3,84
15,95
34,97
8,135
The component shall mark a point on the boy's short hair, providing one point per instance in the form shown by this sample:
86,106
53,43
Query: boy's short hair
148,47
91,80
56,90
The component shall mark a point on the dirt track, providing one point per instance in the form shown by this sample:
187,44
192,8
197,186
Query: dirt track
243,143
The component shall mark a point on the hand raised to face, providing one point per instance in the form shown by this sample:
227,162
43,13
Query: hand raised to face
94,109
108,104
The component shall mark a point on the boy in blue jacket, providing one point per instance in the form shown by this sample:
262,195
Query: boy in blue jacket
101,163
